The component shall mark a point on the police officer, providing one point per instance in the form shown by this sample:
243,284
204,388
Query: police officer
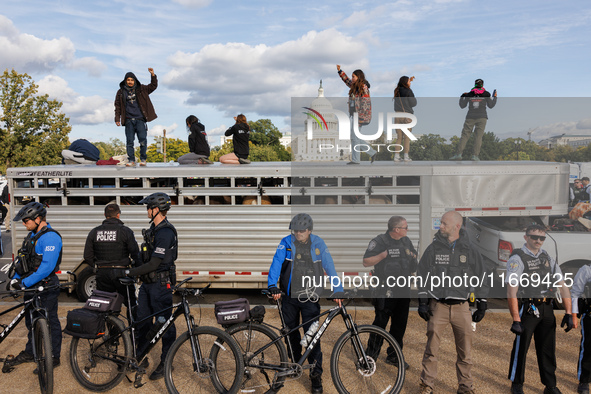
581,305
159,252
450,255
530,274
299,257
110,248
392,255
38,261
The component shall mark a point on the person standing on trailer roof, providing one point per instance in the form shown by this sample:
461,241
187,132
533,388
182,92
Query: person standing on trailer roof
477,100
133,109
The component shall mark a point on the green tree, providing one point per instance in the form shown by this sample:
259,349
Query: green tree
175,148
430,147
115,147
33,131
263,133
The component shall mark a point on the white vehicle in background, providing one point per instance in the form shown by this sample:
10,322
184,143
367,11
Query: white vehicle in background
497,237
230,219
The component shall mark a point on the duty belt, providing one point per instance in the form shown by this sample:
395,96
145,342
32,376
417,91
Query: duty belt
537,301
112,266
451,301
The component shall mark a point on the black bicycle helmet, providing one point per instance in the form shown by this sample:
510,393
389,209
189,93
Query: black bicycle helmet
157,200
301,221
31,211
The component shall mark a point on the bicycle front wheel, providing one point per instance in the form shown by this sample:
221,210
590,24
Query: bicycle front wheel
260,370
100,364
352,373
205,374
44,356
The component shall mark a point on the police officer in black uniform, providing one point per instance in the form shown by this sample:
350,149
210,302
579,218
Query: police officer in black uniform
530,274
392,255
38,260
301,254
581,303
110,249
159,252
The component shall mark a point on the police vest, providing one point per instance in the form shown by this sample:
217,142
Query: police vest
148,246
535,265
451,263
29,260
307,274
398,258
109,247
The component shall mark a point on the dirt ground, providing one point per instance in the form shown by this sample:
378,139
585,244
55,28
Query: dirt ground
491,352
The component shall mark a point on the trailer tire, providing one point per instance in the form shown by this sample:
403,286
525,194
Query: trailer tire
85,284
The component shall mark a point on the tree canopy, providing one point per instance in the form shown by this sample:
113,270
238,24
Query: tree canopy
33,131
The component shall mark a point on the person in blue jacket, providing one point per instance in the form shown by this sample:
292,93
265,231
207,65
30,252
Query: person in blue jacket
42,250
298,267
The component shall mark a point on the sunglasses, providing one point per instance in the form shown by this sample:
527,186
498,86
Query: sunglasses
299,231
537,237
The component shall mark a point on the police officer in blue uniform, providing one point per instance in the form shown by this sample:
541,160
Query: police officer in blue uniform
301,256
530,274
110,248
392,255
38,261
159,252
581,305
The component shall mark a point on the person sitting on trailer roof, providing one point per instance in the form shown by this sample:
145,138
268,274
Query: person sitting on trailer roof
240,133
198,145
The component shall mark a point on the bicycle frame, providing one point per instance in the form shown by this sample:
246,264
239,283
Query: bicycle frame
31,306
332,313
178,309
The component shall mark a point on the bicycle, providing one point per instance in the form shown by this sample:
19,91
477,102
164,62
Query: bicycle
100,364
42,350
355,368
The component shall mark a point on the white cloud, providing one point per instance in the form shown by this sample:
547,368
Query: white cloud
236,77
27,53
80,109
93,66
584,124
157,130
193,3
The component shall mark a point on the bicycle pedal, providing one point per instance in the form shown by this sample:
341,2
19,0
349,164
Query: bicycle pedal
8,367
138,380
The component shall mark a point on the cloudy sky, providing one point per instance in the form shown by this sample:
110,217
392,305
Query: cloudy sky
215,59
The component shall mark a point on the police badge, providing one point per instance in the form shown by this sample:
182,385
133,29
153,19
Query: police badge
463,258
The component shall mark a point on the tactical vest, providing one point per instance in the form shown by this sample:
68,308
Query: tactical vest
28,261
147,249
398,258
535,265
109,246
452,263
308,274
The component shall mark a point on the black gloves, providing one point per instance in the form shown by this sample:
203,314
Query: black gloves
567,321
517,328
274,290
481,307
424,311
16,284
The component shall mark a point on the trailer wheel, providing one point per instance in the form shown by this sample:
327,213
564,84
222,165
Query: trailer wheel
86,284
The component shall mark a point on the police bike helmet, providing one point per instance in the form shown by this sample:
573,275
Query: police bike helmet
31,211
301,221
157,200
